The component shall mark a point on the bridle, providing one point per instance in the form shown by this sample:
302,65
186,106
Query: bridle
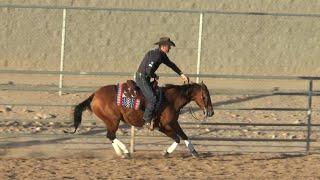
205,108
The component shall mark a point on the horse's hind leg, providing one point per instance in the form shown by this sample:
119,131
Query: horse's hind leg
118,146
170,133
179,131
112,125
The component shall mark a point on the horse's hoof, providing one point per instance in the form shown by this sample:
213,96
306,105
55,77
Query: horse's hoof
126,156
195,154
165,154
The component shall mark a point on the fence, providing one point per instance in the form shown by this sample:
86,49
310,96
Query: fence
198,74
309,93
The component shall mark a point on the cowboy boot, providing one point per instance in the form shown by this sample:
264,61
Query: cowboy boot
152,125
149,124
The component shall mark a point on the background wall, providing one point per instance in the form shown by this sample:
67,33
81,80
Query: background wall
117,41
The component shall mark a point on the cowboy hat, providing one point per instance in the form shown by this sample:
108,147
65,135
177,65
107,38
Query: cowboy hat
165,40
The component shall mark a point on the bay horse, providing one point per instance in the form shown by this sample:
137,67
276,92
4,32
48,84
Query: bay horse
103,104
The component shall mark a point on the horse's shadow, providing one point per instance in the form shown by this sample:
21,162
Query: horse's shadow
181,155
281,156
206,155
44,142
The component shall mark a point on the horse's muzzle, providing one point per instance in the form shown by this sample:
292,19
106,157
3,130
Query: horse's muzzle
210,112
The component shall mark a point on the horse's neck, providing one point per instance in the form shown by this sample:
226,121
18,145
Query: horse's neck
181,98
183,103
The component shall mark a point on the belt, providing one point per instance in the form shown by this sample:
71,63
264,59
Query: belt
142,75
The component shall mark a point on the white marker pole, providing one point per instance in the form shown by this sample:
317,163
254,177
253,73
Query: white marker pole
199,47
132,139
63,34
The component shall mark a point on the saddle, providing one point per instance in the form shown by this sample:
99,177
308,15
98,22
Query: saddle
133,90
129,95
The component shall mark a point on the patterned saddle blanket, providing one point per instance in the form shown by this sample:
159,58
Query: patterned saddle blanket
129,96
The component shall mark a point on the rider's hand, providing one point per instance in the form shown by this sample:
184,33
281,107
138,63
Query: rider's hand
185,78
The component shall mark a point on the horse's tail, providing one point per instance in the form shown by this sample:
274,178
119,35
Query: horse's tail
77,114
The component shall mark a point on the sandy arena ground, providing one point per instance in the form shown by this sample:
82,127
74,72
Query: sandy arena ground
146,165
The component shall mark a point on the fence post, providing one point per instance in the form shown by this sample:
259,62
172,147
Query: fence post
199,47
63,34
132,138
310,93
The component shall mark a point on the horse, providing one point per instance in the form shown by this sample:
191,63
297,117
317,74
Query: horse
103,104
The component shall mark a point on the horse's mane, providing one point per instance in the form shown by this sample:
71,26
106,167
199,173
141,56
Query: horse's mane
185,89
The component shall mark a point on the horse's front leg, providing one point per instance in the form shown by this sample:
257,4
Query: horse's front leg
191,148
184,137
167,130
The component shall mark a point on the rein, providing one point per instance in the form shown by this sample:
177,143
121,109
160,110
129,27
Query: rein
193,115
205,110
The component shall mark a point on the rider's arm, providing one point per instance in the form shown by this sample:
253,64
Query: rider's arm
171,64
175,68
154,75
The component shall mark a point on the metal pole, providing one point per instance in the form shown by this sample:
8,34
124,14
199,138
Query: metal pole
63,34
132,138
310,87
199,47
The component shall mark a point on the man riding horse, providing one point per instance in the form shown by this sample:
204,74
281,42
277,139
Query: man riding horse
146,71
104,103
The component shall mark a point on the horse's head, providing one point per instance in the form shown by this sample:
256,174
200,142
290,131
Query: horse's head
201,96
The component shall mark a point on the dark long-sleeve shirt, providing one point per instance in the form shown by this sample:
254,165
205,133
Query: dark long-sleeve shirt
152,61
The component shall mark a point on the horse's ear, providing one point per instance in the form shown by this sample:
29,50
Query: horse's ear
202,85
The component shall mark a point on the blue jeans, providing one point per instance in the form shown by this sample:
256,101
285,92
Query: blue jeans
144,84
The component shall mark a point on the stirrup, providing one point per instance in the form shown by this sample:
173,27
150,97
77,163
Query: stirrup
149,125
